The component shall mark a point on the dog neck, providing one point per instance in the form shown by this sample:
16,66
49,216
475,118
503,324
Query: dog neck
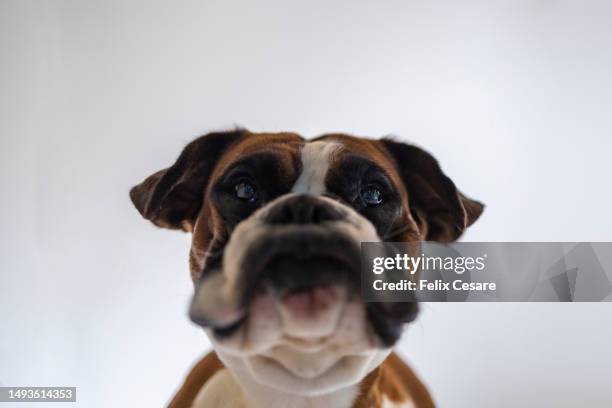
211,384
225,390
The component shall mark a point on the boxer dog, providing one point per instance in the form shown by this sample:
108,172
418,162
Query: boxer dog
276,224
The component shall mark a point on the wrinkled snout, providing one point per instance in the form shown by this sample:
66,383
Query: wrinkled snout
303,248
300,250
295,262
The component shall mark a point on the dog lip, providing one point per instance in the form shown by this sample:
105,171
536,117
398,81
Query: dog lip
224,332
201,320
306,247
388,319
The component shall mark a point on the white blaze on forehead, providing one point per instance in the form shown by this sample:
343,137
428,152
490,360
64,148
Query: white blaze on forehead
316,158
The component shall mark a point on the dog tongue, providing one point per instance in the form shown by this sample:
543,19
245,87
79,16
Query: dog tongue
213,304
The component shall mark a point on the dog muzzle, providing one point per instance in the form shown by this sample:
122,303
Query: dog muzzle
303,252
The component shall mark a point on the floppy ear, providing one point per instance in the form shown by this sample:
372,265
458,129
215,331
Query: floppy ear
434,199
172,197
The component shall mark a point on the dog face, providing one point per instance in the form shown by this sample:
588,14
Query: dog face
277,223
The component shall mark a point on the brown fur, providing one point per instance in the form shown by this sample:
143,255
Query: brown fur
373,149
394,380
198,376
209,224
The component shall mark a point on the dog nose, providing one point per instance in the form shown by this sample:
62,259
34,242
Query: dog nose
303,209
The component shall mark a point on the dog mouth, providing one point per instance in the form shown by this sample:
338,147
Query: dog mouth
307,271
304,270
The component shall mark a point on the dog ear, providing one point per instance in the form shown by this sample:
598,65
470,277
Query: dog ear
172,197
444,212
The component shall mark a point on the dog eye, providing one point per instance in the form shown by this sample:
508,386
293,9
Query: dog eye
245,191
371,196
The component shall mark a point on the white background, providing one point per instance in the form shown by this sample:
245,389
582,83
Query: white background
514,98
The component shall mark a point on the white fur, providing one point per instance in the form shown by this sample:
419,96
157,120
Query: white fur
387,403
316,157
224,391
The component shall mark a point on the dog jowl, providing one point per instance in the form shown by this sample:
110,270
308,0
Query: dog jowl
276,224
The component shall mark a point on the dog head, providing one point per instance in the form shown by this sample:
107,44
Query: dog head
277,223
